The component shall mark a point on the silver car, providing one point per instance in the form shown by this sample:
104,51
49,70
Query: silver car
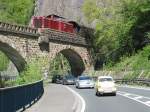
84,82
68,80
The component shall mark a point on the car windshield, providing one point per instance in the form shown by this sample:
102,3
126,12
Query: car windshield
84,78
69,77
105,79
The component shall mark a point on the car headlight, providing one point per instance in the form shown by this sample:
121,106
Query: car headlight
114,88
100,89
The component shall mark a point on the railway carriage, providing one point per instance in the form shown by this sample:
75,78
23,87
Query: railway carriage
56,23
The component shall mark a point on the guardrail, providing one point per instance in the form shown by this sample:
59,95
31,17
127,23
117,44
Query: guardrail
130,81
20,97
8,78
6,27
134,81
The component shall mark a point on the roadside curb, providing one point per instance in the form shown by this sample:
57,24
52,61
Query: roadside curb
79,104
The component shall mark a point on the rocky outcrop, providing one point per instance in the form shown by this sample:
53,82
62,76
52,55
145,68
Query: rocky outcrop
70,9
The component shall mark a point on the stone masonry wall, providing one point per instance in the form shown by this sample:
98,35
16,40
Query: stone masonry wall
55,48
26,47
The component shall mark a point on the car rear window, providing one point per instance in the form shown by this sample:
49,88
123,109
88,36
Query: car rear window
84,78
105,79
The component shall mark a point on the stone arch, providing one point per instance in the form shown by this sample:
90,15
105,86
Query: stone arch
72,52
75,61
13,55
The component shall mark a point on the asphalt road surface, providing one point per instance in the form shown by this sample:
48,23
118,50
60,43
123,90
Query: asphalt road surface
126,100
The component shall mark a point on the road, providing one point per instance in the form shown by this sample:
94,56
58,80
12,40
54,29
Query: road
54,100
127,100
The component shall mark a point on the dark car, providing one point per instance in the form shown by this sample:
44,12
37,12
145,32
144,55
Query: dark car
57,79
68,79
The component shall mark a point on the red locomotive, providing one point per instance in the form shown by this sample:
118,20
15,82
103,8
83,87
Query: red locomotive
55,22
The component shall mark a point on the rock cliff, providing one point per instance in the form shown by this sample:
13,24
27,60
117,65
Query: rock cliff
70,9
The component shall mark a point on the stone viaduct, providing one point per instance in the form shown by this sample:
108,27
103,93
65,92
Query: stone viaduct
22,43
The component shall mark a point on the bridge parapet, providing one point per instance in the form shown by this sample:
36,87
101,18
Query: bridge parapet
48,34
63,37
12,28
22,44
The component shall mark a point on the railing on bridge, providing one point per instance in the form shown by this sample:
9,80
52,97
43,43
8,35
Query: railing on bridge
5,76
18,29
52,35
18,98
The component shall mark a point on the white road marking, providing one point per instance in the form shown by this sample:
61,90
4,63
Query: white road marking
136,98
148,102
141,88
127,94
80,97
136,95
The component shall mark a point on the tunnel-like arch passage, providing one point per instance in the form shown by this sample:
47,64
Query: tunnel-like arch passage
13,55
75,61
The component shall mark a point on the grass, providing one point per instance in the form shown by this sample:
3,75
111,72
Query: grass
4,61
18,12
136,63
31,74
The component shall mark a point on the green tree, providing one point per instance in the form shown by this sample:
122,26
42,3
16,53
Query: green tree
120,25
4,61
59,65
16,11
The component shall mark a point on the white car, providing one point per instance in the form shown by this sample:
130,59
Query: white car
105,84
84,82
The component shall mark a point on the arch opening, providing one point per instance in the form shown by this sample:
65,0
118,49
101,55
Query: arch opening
75,61
14,56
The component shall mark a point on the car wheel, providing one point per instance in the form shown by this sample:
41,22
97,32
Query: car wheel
64,83
114,94
92,87
97,93
76,86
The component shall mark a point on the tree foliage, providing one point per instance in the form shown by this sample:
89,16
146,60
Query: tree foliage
16,11
59,65
4,61
137,63
121,25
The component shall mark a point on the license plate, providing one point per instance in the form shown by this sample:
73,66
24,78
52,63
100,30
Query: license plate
107,90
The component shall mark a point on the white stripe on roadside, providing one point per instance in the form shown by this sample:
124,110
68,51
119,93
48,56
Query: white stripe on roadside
136,98
141,88
79,96
148,102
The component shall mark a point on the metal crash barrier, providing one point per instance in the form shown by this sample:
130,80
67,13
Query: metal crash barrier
134,81
18,98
